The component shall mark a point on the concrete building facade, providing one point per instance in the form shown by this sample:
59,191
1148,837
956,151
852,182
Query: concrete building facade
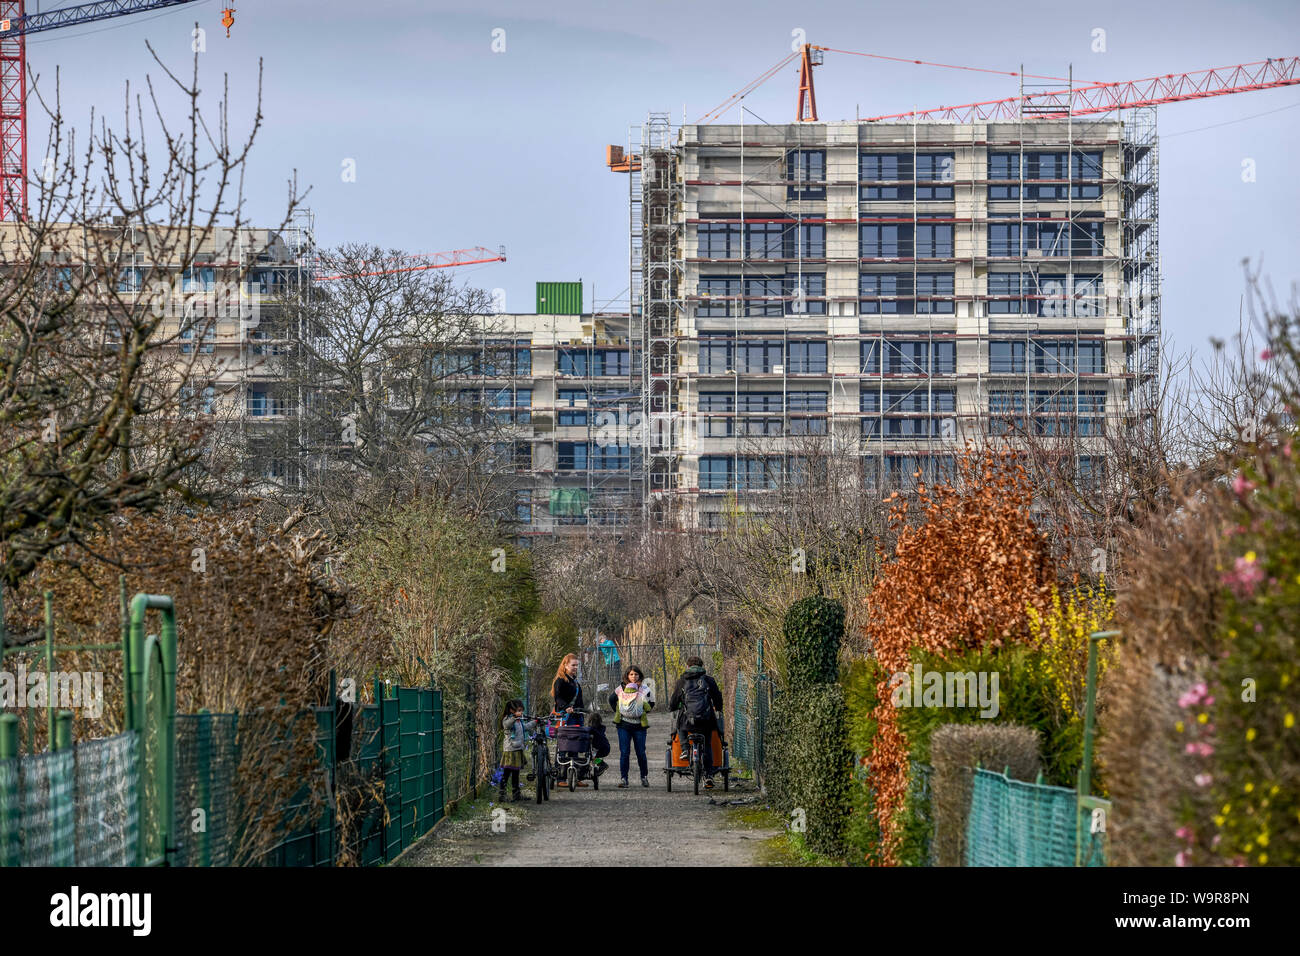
887,291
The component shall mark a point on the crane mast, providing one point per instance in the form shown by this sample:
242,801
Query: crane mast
15,25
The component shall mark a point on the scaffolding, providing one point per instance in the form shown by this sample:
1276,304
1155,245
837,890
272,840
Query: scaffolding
1085,286
659,309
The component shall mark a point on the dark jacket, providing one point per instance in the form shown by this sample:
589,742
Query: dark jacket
566,693
599,742
678,699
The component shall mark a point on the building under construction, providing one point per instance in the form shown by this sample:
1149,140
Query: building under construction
886,290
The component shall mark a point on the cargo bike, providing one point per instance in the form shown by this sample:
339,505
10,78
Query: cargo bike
693,766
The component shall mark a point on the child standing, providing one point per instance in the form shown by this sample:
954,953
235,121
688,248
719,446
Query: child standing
514,740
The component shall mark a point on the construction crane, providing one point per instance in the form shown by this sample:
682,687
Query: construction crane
439,260
1083,100
15,25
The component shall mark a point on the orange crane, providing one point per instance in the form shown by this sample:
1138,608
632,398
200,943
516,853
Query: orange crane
438,260
1073,100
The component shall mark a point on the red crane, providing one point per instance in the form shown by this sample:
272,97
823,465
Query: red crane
1105,97
15,25
440,260
1051,104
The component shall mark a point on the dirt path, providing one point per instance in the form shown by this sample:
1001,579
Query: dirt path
604,827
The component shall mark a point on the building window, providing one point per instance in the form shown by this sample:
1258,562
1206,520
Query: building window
1006,412
523,358
209,399
1067,175
765,240
908,357
885,241
524,507
718,295
569,398
806,294
715,473
764,294
804,168
595,362
904,471
571,456
719,240
806,358
1007,357
888,176
905,241
130,280
933,241
891,293
262,403
806,240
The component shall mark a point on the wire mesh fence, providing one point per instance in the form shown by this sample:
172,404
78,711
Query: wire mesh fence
752,701
1014,823
108,812
207,762
74,807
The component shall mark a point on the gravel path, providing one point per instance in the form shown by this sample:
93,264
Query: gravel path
602,827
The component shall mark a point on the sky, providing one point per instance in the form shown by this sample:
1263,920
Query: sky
485,124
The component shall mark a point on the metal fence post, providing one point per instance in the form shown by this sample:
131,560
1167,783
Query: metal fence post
10,812
760,712
49,669
1089,714
63,790
203,734
471,719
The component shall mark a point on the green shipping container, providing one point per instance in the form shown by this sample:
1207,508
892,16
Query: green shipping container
559,298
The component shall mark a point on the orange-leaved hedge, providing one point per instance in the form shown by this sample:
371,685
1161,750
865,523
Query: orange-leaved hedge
968,561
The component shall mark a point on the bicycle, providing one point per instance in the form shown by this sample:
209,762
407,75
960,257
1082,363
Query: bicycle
543,769
694,766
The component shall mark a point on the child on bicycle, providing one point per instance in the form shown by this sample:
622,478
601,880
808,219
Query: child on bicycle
515,738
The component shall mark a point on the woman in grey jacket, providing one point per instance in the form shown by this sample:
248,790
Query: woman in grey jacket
514,739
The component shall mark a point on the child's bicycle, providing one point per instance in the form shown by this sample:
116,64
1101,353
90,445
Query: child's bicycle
543,772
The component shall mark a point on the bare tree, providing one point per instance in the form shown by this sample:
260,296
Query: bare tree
93,402
390,387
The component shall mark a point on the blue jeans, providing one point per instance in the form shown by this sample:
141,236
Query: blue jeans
626,737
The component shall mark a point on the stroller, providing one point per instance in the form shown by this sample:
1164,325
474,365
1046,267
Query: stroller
573,756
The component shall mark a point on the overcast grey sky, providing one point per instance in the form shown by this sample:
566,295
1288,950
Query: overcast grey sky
456,145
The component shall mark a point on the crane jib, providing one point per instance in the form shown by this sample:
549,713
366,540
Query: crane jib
81,13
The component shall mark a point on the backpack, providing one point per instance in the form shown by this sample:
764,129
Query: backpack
698,705
631,707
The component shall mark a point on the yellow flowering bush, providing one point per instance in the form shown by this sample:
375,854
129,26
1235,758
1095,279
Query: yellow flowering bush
1060,635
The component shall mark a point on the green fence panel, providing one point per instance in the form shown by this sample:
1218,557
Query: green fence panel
390,736
311,842
207,766
741,733
1014,823
370,828
439,789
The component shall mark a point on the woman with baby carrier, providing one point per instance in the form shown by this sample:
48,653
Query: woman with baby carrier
632,703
